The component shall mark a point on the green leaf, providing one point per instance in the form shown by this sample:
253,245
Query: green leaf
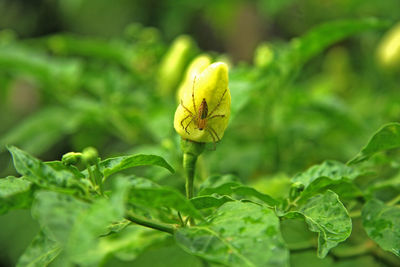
217,181
238,234
15,193
59,166
222,189
291,59
382,223
205,202
78,225
251,192
130,242
324,35
113,165
334,170
41,252
227,185
387,137
327,216
148,194
344,187
38,172
57,213
116,227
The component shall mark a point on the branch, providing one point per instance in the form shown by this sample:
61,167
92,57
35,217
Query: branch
149,223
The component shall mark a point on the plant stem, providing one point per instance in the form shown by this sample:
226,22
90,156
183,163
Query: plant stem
191,151
98,176
355,214
149,223
189,166
91,175
393,201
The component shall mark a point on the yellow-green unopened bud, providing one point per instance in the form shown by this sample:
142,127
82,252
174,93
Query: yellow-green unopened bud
197,65
204,109
389,48
263,55
71,158
173,64
90,155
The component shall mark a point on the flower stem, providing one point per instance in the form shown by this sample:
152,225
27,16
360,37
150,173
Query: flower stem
149,223
189,166
191,151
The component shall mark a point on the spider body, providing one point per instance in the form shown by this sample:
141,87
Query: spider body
200,117
203,111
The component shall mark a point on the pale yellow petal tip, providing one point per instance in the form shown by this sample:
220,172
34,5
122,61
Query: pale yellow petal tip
389,48
173,64
219,68
198,65
204,109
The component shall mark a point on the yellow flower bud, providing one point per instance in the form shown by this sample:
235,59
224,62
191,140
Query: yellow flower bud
204,109
173,64
389,48
199,64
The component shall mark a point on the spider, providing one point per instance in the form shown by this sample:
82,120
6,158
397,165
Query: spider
200,117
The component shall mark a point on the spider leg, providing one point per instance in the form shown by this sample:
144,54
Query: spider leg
214,132
215,116
219,103
184,120
194,103
213,138
185,107
188,125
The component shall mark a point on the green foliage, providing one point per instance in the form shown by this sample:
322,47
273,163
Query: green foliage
117,95
327,216
387,137
149,194
381,224
324,35
40,252
329,175
235,188
238,234
113,165
331,169
15,193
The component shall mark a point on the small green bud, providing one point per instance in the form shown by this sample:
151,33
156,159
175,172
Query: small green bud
263,55
71,158
90,155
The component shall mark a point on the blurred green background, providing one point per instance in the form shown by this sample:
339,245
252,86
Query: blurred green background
79,73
